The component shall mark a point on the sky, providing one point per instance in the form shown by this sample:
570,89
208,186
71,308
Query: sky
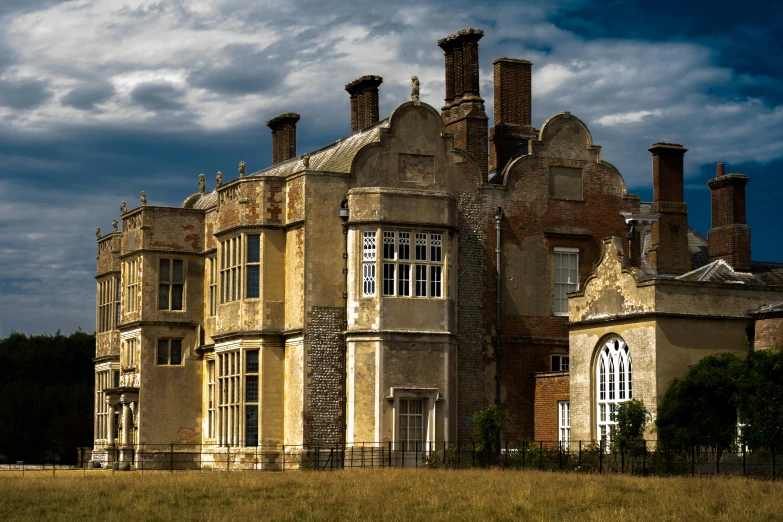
100,99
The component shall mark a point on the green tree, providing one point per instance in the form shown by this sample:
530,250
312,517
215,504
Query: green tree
631,419
760,400
487,425
700,408
46,396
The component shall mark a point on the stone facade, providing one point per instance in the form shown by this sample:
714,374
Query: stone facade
349,295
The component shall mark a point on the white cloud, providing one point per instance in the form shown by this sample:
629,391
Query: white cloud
628,117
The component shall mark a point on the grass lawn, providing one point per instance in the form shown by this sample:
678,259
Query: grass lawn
383,495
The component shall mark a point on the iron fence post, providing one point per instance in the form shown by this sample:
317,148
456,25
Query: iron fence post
644,458
541,455
600,456
717,460
228,458
524,448
506,453
171,458
444,455
622,457
580,456
459,450
560,453
473,454
743,458
693,461
390,453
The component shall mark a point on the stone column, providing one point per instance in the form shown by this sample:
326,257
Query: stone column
111,401
126,445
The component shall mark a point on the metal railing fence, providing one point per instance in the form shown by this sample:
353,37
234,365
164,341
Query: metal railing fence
644,458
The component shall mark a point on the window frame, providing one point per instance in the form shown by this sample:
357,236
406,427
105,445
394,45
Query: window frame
212,285
108,293
569,285
613,355
211,398
231,260
408,267
171,283
252,264
564,422
422,416
560,357
131,283
169,341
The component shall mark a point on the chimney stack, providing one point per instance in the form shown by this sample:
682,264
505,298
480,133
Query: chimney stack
729,237
513,100
463,114
283,136
670,253
364,102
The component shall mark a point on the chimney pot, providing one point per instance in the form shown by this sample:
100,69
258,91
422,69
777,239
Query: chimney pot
719,170
364,101
283,136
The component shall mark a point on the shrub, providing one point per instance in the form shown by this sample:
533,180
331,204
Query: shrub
487,425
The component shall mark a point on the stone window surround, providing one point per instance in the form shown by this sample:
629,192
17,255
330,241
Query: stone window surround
169,364
171,282
430,396
131,281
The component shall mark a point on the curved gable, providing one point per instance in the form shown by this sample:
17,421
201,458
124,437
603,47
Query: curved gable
414,153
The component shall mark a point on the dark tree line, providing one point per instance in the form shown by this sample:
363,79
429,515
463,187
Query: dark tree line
46,396
724,401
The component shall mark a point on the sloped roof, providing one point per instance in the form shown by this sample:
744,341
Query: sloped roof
335,157
768,309
761,274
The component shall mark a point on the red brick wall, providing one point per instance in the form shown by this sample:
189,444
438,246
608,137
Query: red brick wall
768,333
550,388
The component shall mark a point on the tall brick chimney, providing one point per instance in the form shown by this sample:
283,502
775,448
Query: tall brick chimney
670,253
364,102
463,113
513,100
283,136
729,237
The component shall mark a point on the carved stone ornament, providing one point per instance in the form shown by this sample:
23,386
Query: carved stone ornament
123,208
143,198
98,232
306,161
242,166
202,183
114,224
415,90
219,178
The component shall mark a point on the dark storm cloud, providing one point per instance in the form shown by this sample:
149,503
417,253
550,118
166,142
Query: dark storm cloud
23,94
158,96
86,96
242,69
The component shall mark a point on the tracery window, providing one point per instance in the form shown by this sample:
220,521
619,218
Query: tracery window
614,383
368,263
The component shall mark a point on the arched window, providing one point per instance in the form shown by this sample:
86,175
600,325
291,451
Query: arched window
613,377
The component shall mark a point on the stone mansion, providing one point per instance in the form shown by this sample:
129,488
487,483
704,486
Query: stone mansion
390,284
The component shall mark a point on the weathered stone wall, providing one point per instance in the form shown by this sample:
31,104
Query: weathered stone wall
768,332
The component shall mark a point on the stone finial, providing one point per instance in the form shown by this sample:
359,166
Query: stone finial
202,183
415,90
219,178
306,161
98,232
242,169
143,198
123,208
114,224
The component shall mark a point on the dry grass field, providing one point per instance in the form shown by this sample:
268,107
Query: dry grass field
383,495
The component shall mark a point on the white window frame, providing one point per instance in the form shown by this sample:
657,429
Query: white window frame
212,278
405,416
564,423
211,399
564,285
561,357
613,374
369,260
408,264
